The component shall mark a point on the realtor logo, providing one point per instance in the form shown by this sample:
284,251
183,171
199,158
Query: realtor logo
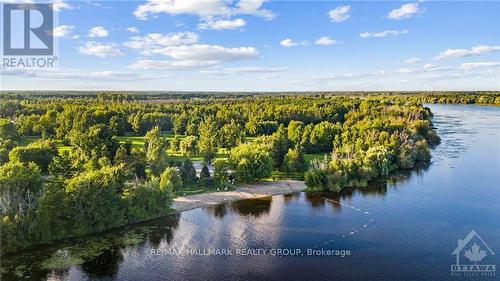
470,254
28,36
27,29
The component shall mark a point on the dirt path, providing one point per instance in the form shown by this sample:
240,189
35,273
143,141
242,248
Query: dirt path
243,192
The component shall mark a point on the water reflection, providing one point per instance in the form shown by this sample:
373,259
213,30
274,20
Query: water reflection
218,211
97,255
104,265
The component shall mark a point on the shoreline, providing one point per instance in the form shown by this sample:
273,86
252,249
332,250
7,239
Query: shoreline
247,191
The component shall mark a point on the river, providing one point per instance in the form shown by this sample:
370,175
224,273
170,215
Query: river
403,229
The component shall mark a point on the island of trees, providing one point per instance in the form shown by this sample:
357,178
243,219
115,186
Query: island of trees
75,164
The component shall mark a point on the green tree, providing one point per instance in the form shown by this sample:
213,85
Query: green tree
322,136
179,124
280,145
19,185
204,174
171,179
137,163
61,166
147,200
94,200
46,123
189,146
156,146
222,170
95,142
295,130
377,161
175,143
231,135
121,155
188,172
117,125
8,130
251,162
51,215
294,160
207,143
41,152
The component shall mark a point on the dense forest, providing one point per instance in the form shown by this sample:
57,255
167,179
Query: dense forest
79,163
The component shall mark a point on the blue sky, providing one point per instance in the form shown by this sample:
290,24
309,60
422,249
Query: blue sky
255,45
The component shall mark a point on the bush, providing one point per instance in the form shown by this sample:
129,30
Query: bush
147,200
93,200
204,174
189,146
188,172
41,153
175,143
222,172
294,160
171,179
18,183
251,162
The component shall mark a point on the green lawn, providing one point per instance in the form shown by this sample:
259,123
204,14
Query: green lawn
313,156
60,146
138,141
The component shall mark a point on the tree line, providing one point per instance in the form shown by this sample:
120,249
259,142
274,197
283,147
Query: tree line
47,192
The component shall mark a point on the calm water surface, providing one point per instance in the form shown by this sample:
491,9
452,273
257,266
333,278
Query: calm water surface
399,230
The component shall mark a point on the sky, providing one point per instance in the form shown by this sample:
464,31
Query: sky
258,45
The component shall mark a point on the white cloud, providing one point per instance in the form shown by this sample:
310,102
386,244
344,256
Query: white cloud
73,74
63,30
479,65
60,5
270,76
340,13
100,49
244,69
133,29
204,52
195,56
222,24
203,8
98,31
426,68
253,7
411,60
382,34
405,11
170,64
325,41
288,43
405,70
474,51
430,66
156,41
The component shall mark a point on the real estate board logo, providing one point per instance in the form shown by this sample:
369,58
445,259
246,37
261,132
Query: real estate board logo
472,255
28,39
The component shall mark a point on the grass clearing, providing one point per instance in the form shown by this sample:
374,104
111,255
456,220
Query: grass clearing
309,157
59,144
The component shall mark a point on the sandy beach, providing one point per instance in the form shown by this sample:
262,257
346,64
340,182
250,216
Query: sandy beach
248,191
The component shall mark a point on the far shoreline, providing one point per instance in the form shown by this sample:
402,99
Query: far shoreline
247,191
